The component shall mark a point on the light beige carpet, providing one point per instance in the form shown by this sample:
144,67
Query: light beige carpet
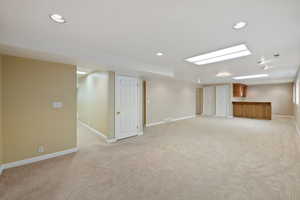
201,159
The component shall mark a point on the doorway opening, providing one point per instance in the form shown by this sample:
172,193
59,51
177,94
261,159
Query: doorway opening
109,106
95,106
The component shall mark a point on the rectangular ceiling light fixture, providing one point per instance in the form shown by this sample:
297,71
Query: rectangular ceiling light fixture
220,55
251,76
81,72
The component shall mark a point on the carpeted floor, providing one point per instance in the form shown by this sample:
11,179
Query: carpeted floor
201,159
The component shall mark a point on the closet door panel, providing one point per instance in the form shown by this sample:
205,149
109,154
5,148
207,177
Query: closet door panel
209,101
222,100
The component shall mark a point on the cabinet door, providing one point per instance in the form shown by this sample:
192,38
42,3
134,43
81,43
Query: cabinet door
244,91
222,100
235,90
239,90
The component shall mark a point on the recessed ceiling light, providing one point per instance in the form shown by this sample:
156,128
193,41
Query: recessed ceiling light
199,80
223,74
220,55
159,54
239,25
80,72
57,18
251,76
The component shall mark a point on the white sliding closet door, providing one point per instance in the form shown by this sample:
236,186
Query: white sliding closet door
209,101
222,100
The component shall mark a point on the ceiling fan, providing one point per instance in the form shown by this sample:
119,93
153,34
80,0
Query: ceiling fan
265,62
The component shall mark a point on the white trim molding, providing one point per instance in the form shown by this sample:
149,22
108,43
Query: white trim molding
140,133
1,169
183,118
170,120
297,128
93,130
112,140
283,116
38,158
155,123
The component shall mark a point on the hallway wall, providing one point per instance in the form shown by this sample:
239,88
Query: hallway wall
95,97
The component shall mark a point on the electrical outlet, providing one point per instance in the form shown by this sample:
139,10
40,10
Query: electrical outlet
41,149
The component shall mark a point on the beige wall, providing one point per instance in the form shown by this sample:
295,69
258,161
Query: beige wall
169,99
1,136
29,120
96,101
199,101
281,96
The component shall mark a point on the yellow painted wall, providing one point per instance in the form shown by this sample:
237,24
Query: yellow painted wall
1,137
96,101
29,120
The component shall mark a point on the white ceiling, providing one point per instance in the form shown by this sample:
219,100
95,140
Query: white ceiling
126,35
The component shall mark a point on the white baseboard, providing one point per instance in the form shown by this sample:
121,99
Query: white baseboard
183,118
111,140
284,116
98,133
155,123
93,130
172,120
216,116
38,158
140,133
1,169
297,128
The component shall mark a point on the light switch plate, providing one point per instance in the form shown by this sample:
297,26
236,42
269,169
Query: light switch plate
57,104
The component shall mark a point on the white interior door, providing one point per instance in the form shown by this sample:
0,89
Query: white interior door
126,107
209,101
222,100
